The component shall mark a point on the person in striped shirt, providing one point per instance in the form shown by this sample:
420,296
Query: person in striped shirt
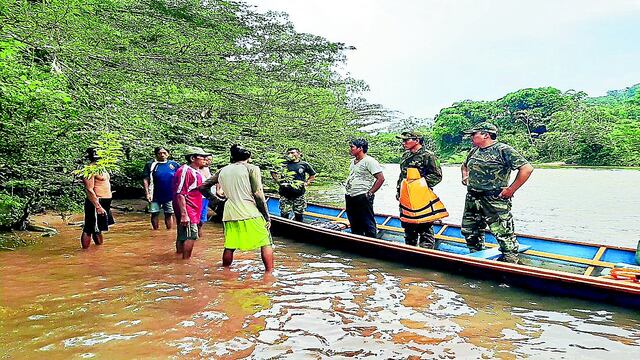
187,200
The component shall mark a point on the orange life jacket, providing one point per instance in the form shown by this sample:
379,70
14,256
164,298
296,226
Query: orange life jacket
418,203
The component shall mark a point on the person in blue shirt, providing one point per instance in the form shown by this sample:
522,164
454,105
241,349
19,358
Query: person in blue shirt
157,177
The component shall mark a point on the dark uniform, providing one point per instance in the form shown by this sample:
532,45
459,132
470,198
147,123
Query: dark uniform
489,172
429,167
292,189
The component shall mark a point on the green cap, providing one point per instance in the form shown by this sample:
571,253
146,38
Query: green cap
409,135
194,150
483,127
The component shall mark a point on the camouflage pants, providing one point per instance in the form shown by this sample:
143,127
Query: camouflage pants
296,205
424,232
480,211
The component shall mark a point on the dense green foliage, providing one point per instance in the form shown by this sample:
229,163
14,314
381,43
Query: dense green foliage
159,72
212,73
387,148
547,125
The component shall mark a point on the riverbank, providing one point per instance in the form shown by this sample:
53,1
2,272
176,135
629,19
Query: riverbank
12,240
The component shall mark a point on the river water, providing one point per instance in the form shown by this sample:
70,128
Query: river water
133,298
589,205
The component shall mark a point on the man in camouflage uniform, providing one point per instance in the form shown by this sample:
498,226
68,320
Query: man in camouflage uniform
417,156
293,183
485,173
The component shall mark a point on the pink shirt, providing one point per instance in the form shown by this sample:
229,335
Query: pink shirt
186,182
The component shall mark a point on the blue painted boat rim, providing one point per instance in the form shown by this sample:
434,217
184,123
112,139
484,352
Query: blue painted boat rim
517,234
517,269
548,274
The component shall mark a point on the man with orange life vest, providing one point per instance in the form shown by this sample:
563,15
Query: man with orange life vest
417,225
485,173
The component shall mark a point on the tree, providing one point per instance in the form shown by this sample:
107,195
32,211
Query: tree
161,72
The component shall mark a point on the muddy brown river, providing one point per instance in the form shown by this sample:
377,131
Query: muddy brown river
133,298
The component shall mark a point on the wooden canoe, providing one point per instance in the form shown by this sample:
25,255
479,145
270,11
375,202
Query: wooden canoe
552,266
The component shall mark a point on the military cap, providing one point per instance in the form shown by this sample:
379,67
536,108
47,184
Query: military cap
483,127
194,150
409,135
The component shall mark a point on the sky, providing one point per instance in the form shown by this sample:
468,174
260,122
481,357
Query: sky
418,56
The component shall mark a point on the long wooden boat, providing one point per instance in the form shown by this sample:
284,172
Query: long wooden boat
553,266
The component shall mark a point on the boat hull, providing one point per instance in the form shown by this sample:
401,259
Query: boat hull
456,258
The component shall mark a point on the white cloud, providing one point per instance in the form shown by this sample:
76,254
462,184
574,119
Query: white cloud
419,56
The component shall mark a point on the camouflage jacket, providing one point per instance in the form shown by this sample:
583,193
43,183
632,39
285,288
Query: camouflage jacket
490,168
426,162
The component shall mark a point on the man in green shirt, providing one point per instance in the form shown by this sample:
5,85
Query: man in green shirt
485,173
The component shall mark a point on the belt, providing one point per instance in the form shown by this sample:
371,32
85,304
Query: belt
479,193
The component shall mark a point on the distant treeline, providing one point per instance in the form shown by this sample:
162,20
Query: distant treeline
545,124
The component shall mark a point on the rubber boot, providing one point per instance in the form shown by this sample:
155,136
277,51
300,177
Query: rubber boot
427,240
509,257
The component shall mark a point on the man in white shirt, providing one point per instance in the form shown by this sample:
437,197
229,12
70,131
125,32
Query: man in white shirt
365,178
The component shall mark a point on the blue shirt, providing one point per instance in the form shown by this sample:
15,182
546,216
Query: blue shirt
160,176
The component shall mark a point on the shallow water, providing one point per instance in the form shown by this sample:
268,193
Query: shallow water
132,298
589,205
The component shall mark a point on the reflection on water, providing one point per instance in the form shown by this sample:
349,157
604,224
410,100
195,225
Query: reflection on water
133,298
589,205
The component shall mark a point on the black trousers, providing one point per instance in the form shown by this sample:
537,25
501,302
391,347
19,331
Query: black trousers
360,214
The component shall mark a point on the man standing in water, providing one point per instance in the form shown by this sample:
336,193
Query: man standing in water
246,218
204,212
97,205
293,184
187,200
485,173
417,156
157,177
365,178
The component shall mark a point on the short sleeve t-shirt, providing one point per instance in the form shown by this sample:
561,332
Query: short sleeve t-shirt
239,182
490,168
185,182
298,172
160,175
361,176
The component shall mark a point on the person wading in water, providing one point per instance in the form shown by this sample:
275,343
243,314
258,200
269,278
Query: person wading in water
97,205
246,218
187,200
157,177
